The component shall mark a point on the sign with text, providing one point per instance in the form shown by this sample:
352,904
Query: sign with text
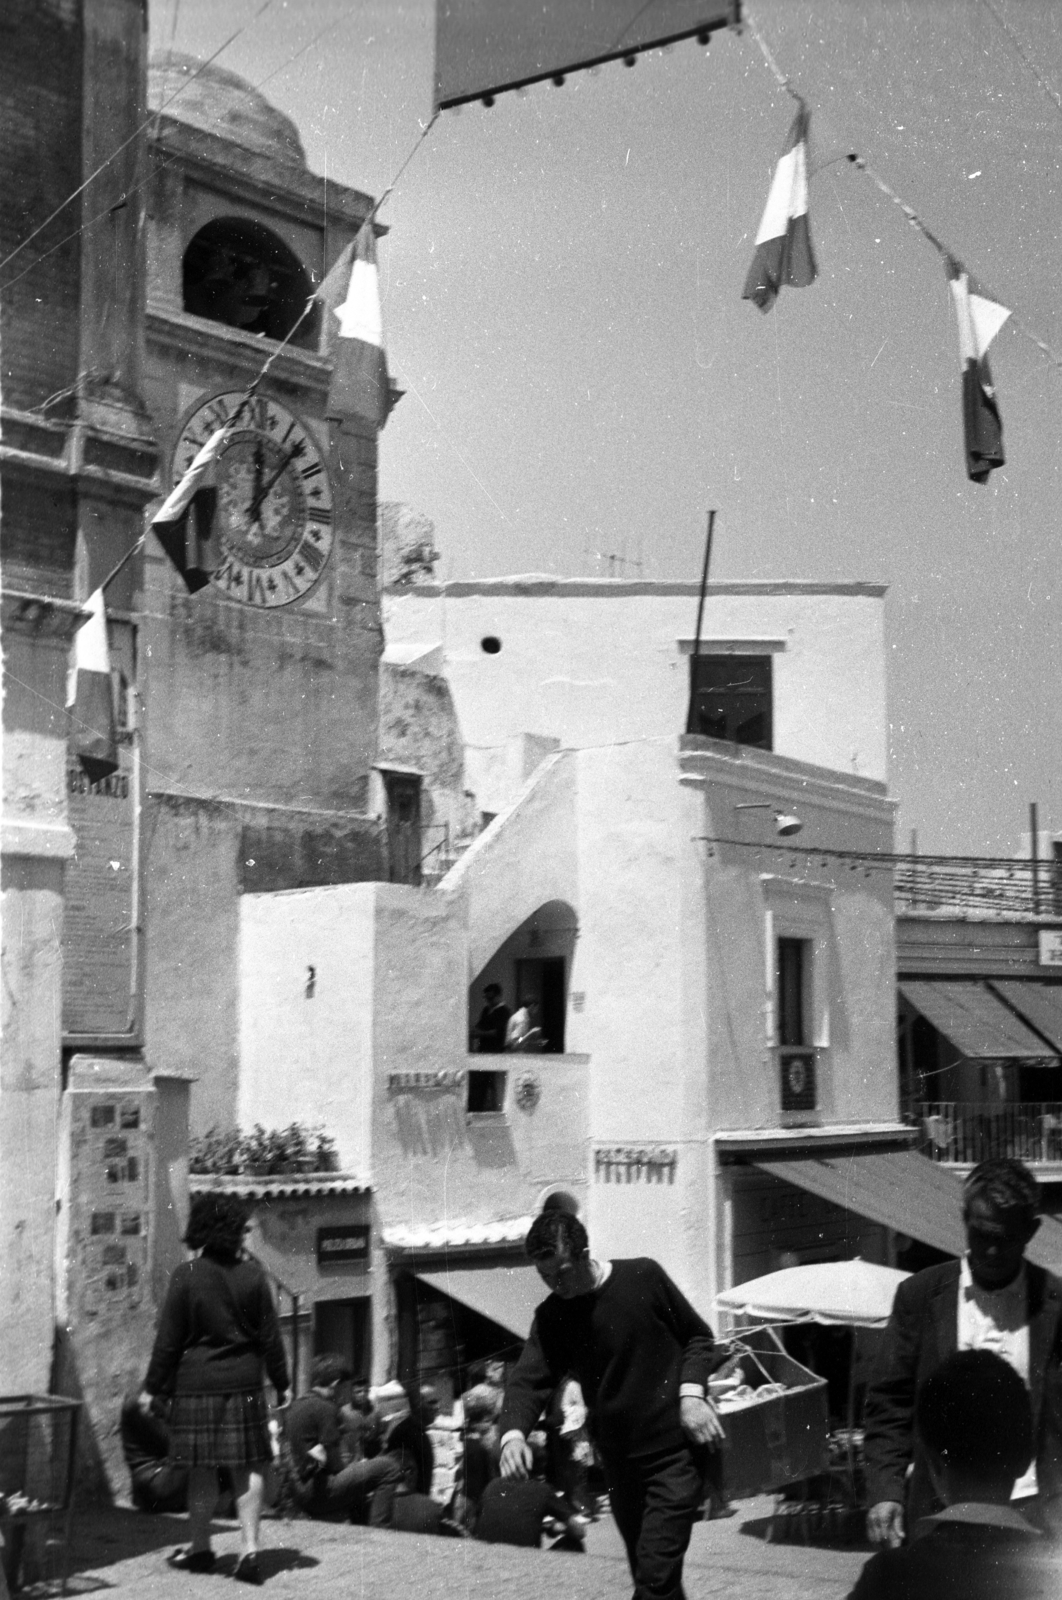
1050,940
343,1246
643,1163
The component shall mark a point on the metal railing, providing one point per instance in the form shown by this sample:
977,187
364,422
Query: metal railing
987,886
963,1132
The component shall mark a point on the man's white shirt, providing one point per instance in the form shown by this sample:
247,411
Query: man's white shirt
998,1320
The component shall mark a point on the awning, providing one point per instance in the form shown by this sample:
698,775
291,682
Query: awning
976,1021
904,1191
1039,1003
505,1295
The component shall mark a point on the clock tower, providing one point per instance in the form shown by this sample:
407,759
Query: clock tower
259,691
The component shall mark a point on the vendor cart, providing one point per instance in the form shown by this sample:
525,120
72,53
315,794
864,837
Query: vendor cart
856,1294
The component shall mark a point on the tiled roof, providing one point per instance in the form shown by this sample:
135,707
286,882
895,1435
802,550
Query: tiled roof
288,1186
454,1235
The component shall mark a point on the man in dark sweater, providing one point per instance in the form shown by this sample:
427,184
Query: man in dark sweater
643,1357
322,1484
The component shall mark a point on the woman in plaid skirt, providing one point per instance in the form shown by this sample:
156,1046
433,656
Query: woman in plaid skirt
217,1331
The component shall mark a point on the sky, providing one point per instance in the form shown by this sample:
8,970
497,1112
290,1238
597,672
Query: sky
561,287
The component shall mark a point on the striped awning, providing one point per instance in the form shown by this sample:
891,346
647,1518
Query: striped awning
979,1024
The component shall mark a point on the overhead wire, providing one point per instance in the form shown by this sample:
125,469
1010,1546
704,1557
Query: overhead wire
862,165
127,142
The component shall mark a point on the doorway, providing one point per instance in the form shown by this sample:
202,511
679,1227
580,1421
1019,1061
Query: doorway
542,978
403,826
344,1328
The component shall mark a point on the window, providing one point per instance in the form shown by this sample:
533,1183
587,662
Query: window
486,1092
238,273
796,1057
730,698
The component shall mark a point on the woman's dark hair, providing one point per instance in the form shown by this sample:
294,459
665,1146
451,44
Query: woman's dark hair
216,1225
553,1233
974,1412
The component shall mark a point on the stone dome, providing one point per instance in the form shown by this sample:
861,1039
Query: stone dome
225,104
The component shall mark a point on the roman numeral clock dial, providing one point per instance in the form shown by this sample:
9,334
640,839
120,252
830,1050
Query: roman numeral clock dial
273,520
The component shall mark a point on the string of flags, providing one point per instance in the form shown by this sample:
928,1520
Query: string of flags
784,257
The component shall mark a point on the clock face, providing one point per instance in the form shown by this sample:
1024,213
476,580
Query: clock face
273,520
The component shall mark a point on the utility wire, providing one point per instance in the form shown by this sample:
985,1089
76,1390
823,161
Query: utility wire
948,254
1021,52
133,136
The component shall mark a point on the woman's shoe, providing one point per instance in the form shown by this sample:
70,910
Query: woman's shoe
247,1570
191,1560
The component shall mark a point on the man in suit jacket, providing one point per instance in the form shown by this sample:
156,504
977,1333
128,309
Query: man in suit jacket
992,1299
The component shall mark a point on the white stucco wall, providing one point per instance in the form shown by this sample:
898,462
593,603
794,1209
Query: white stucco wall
309,1058
598,662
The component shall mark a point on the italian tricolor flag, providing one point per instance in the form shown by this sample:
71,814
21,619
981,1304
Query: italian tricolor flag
783,244
90,695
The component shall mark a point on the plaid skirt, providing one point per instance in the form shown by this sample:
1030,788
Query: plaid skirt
220,1430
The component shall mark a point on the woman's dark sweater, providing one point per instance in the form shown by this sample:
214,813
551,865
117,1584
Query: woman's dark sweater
630,1344
217,1328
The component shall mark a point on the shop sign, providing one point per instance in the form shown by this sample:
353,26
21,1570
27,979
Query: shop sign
343,1246
402,1082
645,1163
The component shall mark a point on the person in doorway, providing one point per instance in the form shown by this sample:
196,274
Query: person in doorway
642,1357
524,1034
488,1036
322,1483
974,1419
217,1331
993,1299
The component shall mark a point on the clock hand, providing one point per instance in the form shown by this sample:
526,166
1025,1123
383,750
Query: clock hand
252,509
259,463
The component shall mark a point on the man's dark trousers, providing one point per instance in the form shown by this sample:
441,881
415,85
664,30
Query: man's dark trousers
655,1501
349,1491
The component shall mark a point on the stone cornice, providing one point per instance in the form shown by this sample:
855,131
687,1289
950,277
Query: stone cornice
260,180
196,337
124,466
535,584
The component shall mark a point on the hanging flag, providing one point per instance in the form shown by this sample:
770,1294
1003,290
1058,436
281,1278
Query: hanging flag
979,322
184,522
90,695
783,244
360,385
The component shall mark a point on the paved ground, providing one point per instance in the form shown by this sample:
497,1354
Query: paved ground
123,1553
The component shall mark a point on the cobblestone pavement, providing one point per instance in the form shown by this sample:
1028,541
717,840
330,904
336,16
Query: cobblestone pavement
123,1553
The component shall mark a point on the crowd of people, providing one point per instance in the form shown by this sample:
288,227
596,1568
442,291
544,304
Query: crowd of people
963,1415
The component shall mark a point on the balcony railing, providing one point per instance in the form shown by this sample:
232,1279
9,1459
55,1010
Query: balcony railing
978,885
961,1133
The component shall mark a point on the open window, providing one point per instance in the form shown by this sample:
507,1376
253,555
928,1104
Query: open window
731,698
239,273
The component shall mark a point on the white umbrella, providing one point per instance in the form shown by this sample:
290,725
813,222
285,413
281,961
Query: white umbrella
855,1293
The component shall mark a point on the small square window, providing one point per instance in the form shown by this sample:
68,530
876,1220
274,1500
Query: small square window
486,1092
730,698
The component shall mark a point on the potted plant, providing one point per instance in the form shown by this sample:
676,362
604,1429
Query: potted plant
326,1156
216,1151
257,1152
